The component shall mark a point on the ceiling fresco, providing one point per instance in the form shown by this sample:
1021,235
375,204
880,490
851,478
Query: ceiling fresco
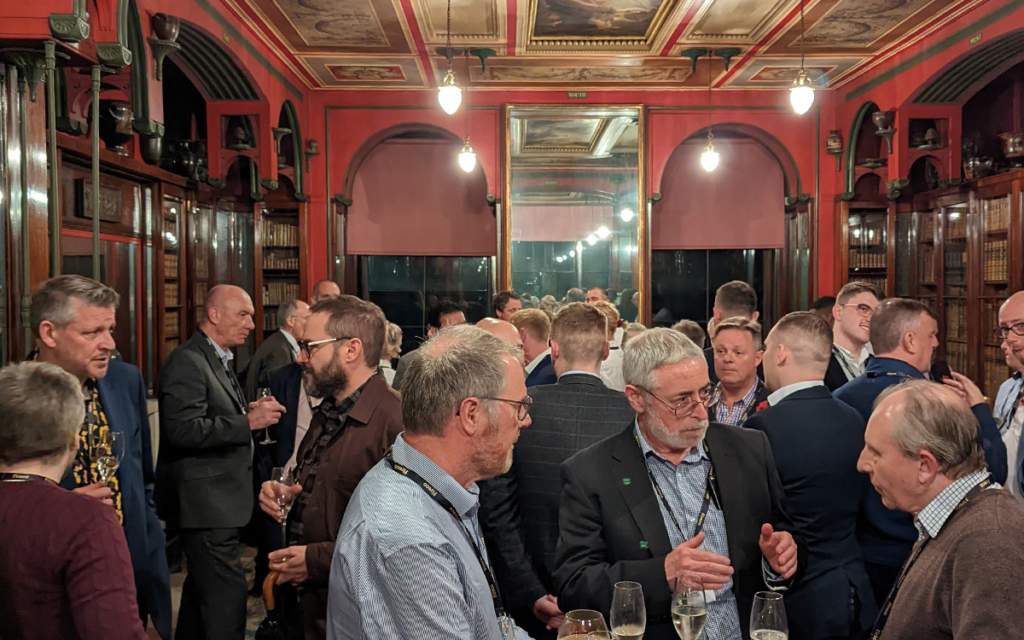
545,44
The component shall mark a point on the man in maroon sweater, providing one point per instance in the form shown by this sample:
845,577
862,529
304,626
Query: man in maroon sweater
962,578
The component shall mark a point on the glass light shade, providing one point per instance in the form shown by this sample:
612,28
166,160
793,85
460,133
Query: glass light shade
467,158
603,232
591,239
801,94
449,94
709,159
626,214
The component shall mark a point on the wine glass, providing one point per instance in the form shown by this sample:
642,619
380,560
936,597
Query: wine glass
264,392
768,617
283,479
628,616
577,624
689,607
111,451
600,635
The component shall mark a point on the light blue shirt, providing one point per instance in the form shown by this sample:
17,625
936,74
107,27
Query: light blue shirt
225,355
292,342
403,566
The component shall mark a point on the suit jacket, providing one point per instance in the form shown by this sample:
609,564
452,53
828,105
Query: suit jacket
204,475
123,397
519,510
274,353
609,510
285,385
709,357
543,373
370,428
835,376
403,364
816,441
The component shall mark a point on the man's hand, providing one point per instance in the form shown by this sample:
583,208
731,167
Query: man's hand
713,570
290,563
965,389
779,550
264,413
546,610
269,494
96,490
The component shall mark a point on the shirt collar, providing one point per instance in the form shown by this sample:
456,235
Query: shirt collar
536,361
695,455
291,341
225,355
464,500
385,364
930,520
748,397
578,372
779,395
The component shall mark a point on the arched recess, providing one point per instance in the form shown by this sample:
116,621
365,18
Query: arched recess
213,69
964,77
863,114
290,119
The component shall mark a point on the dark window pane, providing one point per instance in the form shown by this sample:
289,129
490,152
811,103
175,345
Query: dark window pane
683,283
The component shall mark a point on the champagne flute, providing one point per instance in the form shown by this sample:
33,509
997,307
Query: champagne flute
628,616
768,617
283,479
111,451
264,392
577,624
689,607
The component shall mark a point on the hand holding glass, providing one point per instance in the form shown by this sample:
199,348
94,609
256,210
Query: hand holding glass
283,481
264,392
111,451
628,616
768,617
577,624
689,607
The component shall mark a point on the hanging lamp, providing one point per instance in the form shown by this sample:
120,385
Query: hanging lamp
467,157
709,158
801,94
449,94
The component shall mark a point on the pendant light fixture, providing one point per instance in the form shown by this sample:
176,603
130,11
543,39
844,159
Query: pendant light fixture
709,158
467,157
449,94
801,94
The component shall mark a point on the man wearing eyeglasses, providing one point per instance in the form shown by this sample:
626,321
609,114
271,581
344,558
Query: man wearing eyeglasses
851,329
1011,330
670,495
350,431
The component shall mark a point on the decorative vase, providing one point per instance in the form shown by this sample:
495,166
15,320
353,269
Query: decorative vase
165,27
883,119
116,125
931,137
977,168
1013,144
151,148
834,144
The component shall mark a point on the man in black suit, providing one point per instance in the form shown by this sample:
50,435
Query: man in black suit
204,473
519,510
535,331
851,329
279,349
735,299
718,511
816,441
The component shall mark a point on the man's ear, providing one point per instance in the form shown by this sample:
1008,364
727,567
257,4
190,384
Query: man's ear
471,416
522,334
636,398
556,351
716,315
607,350
927,466
48,334
756,315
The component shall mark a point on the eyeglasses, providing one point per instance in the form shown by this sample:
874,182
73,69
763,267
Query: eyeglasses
522,406
1017,329
709,397
864,310
307,347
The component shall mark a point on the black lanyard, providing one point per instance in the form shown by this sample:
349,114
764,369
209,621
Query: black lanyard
883,614
499,610
844,364
1012,409
23,477
709,490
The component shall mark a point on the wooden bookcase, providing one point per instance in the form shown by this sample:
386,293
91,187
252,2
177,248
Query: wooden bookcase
170,273
280,255
867,248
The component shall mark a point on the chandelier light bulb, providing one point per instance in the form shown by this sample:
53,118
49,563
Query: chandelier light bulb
626,214
801,94
579,247
709,159
591,239
467,158
603,232
572,254
449,94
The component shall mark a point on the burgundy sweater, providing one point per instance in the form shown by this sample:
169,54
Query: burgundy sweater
64,567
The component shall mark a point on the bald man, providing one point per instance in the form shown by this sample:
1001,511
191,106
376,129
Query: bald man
204,474
1011,320
504,331
323,290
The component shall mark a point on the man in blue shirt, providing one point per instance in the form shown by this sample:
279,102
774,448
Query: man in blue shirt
410,561
904,334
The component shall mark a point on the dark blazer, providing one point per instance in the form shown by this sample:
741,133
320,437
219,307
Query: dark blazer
285,385
886,537
274,353
370,428
609,510
403,365
816,441
835,376
204,474
519,510
709,356
543,373
123,397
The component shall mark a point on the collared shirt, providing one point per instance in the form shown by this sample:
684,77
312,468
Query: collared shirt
611,370
683,486
1004,407
579,372
1010,420
292,342
404,567
225,355
737,413
781,394
536,361
388,371
851,365
930,520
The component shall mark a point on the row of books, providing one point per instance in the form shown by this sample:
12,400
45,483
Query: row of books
172,344
279,292
997,260
956,319
279,234
926,272
171,325
171,295
281,259
956,356
199,289
956,226
878,282
996,371
170,232
996,214
171,265
202,257
270,321
990,319
861,259
955,266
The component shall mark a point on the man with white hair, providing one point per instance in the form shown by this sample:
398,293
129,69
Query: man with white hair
669,496
922,454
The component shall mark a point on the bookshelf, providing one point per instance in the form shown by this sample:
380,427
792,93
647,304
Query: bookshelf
170,276
201,240
867,231
280,255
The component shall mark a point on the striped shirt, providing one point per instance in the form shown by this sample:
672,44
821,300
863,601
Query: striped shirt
403,567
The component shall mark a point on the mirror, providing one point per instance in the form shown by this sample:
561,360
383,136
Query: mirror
575,213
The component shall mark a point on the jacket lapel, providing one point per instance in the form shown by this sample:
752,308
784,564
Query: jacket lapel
630,474
219,371
726,483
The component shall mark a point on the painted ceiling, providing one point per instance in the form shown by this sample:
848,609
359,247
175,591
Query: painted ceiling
579,44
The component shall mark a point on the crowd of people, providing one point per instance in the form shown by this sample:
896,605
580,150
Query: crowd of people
505,473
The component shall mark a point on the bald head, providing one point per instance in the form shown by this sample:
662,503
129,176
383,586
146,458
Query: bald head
323,290
505,331
1011,314
229,313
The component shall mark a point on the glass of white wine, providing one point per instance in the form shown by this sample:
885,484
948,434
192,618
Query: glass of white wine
264,392
768,617
111,451
578,623
283,479
628,616
689,607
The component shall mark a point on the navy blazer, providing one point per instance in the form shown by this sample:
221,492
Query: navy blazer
123,396
543,373
815,442
285,385
886,537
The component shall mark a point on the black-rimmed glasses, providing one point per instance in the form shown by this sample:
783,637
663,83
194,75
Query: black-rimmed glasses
522,406
864,310
308,347
1017,329
709,397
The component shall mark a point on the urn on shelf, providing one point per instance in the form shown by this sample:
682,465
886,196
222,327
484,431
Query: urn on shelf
1013,147
834,146
116,125
883,120
165,27
151,147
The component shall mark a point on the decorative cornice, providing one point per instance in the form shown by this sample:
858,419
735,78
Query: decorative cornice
113,54
269,184
69,27
148,127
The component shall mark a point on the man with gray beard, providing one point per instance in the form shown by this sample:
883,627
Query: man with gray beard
669,496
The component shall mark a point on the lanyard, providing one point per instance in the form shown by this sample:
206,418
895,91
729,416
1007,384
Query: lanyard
23,477
844,364
499,611
883,614
709,490
1006,413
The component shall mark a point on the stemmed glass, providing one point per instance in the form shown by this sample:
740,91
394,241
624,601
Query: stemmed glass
264,392
768,617
111,445
283,480
628,616
577,624
689,607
